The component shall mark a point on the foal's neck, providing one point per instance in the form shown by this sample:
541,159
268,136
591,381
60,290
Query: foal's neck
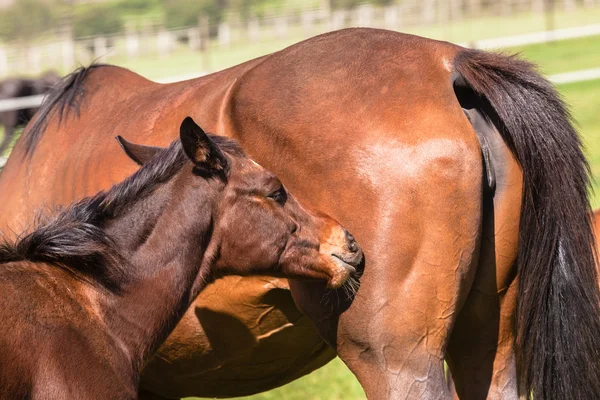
164,243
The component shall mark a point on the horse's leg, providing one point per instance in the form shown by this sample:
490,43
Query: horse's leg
420,262
481,350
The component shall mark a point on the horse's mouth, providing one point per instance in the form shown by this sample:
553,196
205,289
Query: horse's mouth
350,260
348,264
342,263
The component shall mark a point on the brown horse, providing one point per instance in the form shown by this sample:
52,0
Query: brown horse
88,296
21,87
459,172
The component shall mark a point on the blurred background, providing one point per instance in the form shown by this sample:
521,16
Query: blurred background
170,40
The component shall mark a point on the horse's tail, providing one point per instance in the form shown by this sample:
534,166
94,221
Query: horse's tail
63,96
558,306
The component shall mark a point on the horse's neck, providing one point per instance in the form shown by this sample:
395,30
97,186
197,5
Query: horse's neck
164,244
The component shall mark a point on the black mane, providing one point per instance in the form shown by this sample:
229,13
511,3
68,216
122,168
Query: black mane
74,238
63,97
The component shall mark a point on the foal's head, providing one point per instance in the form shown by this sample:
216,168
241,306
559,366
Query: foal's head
257,226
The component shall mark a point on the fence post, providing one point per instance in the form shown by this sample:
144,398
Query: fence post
68,48
338,20
456,9
505,7
194,38
163,42
569,5
34,60
364,15
224,34
253,30
429,7
308,19
132,44
100,48
204,30
537,6
475,7
444,9
390,16
3,62
281,27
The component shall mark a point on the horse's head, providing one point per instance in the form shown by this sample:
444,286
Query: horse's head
258,227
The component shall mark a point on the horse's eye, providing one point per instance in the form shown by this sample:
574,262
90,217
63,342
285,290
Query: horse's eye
279,195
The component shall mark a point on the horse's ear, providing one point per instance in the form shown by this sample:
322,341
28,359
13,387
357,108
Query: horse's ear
138,152
199,147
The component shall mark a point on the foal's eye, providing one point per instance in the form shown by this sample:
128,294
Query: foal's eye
279,195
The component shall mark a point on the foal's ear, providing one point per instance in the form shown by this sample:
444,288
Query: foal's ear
200,148
138,152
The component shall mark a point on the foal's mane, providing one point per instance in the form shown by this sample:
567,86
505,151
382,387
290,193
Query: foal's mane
74,239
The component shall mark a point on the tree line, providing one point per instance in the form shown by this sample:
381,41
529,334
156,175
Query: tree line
25,20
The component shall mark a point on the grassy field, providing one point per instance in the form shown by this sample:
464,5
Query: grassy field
553,57
564,55
335,381
584,98
332,382
182,61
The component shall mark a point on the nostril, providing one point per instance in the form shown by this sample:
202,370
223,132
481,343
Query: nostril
352,246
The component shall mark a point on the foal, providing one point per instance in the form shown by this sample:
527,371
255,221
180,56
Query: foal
88,296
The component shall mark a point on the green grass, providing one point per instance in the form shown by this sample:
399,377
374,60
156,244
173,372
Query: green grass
183,61
335,381
471,29
563,56
584,98
332,382
15,137
553,57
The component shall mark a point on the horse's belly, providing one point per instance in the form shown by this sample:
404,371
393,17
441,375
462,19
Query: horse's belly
241,336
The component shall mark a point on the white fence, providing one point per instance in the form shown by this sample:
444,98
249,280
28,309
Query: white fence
497,43
61,50
20,103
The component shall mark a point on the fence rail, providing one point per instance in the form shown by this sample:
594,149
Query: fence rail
60,49
19,103
497,43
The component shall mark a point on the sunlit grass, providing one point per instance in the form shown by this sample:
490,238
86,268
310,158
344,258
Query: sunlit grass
584,98
183,61
564,55
332,382
335,381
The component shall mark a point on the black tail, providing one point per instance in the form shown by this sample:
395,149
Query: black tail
558,310
63,96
